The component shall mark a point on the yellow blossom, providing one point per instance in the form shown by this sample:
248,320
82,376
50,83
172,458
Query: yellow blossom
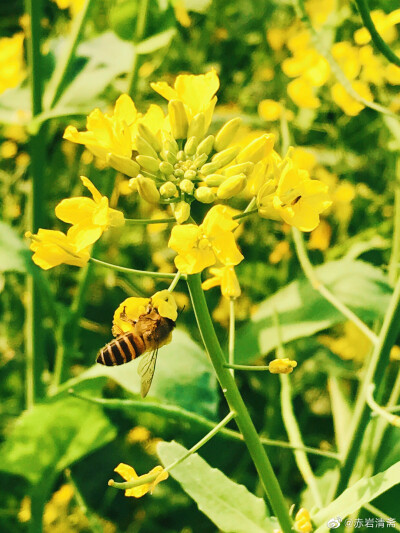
269,110
165,304
302,93
196,92
348,58
351,344
385,24
112,137
281,251
129,474
181,13
8,149
138,434
319,11
347,103
90,217
320,237
302,158
53,248
74,6
302,522
392,74
12,69
373,69
201,246
263,172
226,278
282,366
308,64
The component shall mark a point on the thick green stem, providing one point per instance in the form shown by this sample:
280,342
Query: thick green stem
376,38
140,29
374,374
37,150
395,255
236,404
59,79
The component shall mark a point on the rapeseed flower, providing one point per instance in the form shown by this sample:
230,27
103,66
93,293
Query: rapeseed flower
53,248
12,69
202,246
349,105
74,6
385,24
129,474
224,277
302,522
89,217
282,366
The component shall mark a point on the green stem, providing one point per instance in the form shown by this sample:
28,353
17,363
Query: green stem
140,28
308,270
363,8
174,282
377,512
231,345
374,374
378,410
236,404
245,214
178,414
59,79
127,270
261,368
395,254
146,221
37,150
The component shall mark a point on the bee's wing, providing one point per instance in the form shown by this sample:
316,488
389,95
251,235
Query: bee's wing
146,368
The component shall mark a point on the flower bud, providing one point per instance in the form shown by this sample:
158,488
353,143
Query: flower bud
205,195
123,164
144,148
170,145
245,168
282,366
199,161
232,186
132,183
226,134
191,145
147,189
230,287
168,189
181,156
186,186
181,212
214,180
197,127
190,174
166,168
209,168
178,119
206,145
148,163
258,149
226,156
149,136
169,157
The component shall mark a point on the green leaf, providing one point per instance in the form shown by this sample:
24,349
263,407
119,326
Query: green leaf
184,377
303,311
229,505
155,42
352,499
14,103
14,253
52,436
341,412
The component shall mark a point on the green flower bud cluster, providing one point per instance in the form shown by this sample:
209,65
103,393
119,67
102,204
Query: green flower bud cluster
188,165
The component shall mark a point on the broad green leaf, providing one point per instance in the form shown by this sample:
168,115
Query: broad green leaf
14,253
341,412
155,42
200,6
352,499
52,436
303,311
184,377
229,505
15,106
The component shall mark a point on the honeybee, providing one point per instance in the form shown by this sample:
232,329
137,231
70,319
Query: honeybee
149,333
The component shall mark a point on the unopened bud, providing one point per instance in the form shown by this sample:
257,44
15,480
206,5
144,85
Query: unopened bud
147,134
205,195
232,186
181,156
169,156
178,119
214,180
190,146
148,163
226,156
168,189
258,149
132,183
181,212
144,148
179,173
199,161
282,366
170,144
245,168
197,126
123,164
147,189
190,174
166,168
206,145
186,186
209,168
226,134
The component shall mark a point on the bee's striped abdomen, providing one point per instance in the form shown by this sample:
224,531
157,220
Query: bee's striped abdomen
121,350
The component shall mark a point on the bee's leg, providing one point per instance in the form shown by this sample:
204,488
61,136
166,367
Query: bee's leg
124,317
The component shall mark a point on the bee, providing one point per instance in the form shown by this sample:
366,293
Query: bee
148,334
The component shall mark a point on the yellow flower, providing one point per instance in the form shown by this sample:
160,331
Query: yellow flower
373,69
129,474
385,24
226,278
112,137
281,251
90,217
269,110
202,246
319,11
165,304
302,158
302,522
320,237
196,92
282,366
347,103
53,248
348,58
309,64
12,69
392,74
297,199
8,149
75,6
351,344
302,93
263,172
